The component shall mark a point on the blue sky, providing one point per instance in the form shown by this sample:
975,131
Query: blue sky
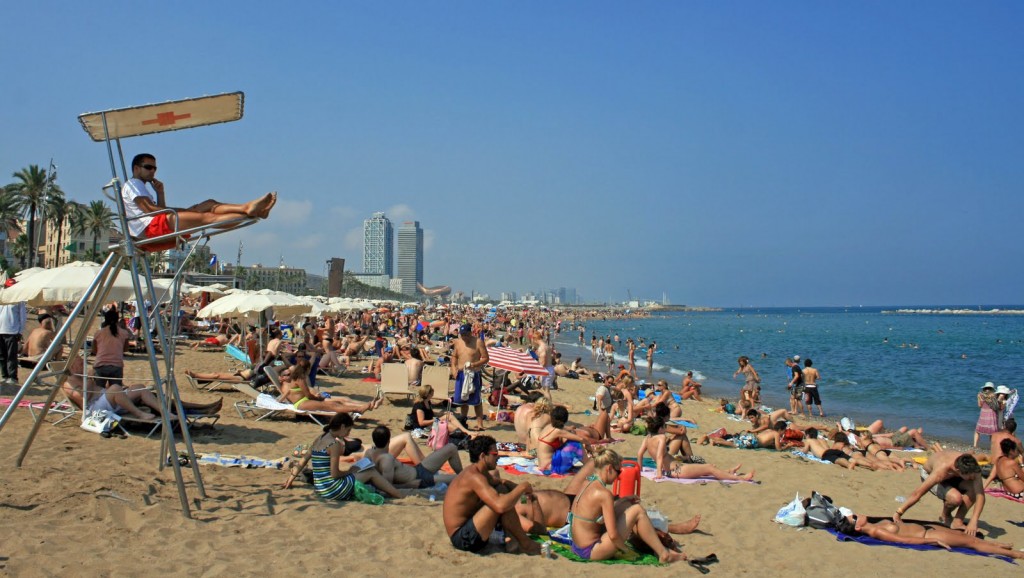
728,153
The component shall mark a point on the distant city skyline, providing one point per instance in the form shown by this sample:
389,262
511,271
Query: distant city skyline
727,154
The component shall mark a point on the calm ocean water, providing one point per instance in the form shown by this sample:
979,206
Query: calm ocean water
905,369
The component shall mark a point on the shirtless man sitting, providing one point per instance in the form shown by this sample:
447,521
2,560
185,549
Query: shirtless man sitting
423,474
955,479
473,507
40,339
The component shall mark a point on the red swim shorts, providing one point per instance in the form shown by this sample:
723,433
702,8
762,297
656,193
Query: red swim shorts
212,341
159,226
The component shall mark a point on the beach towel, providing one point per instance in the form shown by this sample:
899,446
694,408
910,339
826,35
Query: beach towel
371,380
649,474
561,541
869,541
684,423
1002,494
810,457
22,403
230,461
521,466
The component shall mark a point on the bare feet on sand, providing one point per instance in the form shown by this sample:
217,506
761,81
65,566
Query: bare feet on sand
749,477
669,556
684,527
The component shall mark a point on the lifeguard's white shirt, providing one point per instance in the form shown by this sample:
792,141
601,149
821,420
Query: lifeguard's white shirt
132,189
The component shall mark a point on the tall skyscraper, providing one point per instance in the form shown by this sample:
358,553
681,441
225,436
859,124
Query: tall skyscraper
410,256
378,251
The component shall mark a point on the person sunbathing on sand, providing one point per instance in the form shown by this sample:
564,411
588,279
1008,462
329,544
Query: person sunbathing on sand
835,452
297,392
904,437
874,451
423,474
600,525
927,534
661,395
768,439
656,443
124,400
763,422
240,376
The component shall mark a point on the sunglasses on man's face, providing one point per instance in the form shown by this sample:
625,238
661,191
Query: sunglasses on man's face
149,167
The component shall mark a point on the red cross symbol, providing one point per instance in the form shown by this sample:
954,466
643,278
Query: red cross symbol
167,118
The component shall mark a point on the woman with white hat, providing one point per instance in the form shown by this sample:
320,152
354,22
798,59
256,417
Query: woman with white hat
990,419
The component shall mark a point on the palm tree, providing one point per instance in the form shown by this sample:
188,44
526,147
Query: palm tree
55,212
30,190
20,248
9,215
97,219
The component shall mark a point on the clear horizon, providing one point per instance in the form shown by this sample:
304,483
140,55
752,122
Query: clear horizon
777,153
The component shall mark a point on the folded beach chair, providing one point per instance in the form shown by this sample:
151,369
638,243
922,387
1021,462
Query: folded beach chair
394,380
207,386
262,405
438,377
237,355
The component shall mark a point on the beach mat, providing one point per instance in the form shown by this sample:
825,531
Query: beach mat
810,457
229,461
684,423
869,541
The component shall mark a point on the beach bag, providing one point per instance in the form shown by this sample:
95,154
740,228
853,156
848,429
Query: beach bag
100,421
498,398
438,434
793,513
409,424
822,513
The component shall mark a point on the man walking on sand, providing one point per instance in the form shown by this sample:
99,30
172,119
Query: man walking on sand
140,200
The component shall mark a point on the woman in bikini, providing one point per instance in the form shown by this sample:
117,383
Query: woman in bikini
1008,469
750,377
558,449
538,419
656,443
298,393
877,454
661,395
600,525
331,479
926,534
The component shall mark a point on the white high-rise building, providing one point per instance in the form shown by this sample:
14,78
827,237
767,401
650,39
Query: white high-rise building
410,256
378,252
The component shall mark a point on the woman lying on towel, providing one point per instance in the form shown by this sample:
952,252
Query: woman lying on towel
558,449
656,443
298,393
600,525
924,534
123,400
333,479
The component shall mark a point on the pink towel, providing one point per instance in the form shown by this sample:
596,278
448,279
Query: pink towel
1002,494
22,403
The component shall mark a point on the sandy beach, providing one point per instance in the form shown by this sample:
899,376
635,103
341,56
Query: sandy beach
84,505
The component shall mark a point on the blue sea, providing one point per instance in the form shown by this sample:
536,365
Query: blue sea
920,370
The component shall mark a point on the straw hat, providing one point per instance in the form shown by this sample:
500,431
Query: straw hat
988,385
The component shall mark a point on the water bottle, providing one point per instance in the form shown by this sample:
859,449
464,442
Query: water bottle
433,498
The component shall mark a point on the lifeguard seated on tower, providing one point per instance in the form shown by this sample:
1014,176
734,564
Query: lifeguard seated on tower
140,202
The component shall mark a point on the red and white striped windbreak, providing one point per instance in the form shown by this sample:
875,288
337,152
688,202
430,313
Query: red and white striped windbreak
515,360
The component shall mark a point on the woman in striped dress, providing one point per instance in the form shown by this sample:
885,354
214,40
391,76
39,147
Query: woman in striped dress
331,479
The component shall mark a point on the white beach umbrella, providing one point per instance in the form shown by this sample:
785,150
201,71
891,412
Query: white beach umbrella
283,304
66,284
218,287
26,273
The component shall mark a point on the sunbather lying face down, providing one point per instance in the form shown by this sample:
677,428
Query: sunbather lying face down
929,534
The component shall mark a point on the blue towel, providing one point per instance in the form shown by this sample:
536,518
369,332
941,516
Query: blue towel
868,540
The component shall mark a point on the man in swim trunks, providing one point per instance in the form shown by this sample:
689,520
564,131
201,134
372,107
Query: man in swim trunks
469,354
423,474
796,388
955,479
140,199
768,439
473,507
